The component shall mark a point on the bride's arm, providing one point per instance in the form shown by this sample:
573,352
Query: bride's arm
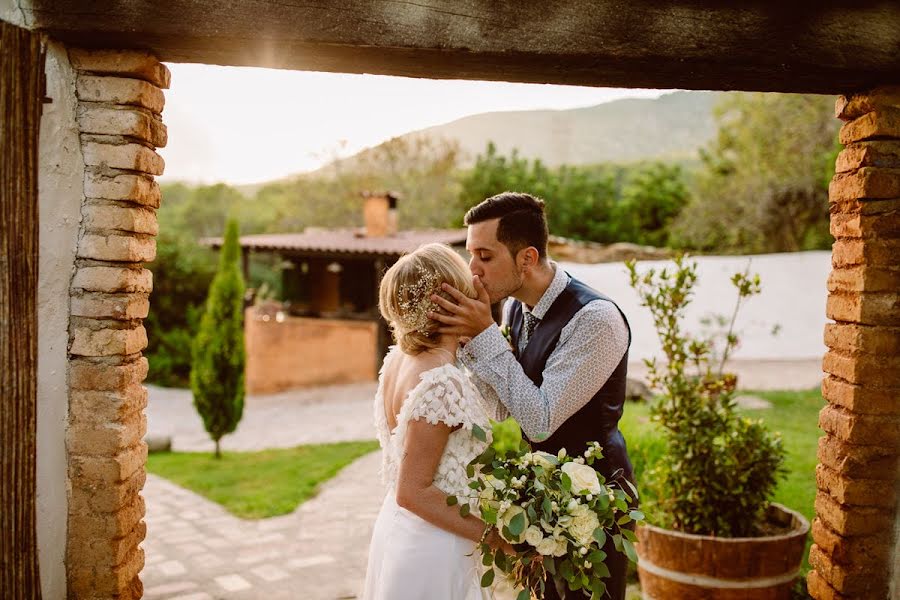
417,493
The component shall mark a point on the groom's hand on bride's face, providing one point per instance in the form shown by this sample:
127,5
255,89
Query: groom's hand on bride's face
467,316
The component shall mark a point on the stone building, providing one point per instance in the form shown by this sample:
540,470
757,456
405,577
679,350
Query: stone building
330,299
81,101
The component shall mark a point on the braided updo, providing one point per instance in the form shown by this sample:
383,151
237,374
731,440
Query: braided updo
404,297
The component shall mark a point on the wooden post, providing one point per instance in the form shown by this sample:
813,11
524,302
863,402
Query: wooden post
21,94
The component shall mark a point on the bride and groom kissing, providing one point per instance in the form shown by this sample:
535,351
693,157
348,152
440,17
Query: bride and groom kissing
561,376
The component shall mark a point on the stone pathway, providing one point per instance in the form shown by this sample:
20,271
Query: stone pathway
195,550
335,413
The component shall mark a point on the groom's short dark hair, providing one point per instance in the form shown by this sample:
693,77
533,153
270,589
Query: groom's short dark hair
522,220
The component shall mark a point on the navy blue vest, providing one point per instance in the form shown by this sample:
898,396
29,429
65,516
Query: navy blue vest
598,420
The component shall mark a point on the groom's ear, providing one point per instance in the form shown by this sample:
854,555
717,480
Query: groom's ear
529,256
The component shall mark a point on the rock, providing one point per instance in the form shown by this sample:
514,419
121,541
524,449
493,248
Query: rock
158,443
636,390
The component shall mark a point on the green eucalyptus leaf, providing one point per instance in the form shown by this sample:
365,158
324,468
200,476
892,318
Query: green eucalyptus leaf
500,560
601,570
479,433
550,565
517,525
629,551
488,578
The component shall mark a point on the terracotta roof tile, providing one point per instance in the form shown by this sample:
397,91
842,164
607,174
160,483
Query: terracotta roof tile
347,241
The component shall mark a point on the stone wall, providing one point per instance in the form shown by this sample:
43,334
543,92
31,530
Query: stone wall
856,506
297,352
120,99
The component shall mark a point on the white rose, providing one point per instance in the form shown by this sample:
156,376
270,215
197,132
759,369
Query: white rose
541,459
584,522
547,547
534,535
562,546
584,478
507,516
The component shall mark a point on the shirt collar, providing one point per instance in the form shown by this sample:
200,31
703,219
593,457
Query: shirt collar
557,285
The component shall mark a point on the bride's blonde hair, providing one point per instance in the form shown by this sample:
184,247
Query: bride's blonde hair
404,297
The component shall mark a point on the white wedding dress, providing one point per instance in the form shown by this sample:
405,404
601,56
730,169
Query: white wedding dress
409,558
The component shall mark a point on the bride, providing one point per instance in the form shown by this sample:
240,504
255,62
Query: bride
425,408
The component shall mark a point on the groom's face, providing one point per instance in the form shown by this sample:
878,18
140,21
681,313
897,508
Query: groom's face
492,261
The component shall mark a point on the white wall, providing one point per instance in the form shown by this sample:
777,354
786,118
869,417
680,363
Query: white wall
793,296
60,190
14,12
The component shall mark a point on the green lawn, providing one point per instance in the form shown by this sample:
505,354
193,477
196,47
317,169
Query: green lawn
256,485
794,414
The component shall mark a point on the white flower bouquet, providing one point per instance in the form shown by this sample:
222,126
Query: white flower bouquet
556,511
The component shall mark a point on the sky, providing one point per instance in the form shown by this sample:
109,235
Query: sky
242,125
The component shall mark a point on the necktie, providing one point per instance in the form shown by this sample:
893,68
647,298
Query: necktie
531,322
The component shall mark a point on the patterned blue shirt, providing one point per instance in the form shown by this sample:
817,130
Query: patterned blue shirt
590,348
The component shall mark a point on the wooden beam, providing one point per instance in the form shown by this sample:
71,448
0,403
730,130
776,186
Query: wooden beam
21,93
705,44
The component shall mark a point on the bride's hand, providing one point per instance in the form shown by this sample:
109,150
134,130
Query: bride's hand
496,541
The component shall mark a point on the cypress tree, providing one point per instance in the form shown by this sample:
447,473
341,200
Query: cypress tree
218,354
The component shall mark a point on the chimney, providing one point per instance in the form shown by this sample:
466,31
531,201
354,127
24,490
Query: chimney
380,213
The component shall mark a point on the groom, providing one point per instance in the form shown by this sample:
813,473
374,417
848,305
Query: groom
563,378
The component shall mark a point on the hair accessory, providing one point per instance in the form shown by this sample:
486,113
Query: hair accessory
414,300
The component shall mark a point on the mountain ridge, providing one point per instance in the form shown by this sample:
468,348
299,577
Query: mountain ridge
671,127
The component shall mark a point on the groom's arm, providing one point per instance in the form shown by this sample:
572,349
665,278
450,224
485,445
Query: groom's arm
589,350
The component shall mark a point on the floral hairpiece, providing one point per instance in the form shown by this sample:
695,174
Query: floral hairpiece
415,300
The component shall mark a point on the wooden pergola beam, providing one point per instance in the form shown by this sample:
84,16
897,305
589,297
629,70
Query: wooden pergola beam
706,44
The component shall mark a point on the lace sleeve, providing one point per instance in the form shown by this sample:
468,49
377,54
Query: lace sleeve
441,398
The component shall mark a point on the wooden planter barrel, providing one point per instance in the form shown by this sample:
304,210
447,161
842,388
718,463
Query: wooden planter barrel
681,566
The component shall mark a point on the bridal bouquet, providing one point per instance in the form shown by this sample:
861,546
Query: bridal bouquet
556,511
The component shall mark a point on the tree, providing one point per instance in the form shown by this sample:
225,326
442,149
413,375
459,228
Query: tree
764,182
581,200
652,197
217,370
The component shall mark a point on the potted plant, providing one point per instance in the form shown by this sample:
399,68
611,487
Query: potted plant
714,533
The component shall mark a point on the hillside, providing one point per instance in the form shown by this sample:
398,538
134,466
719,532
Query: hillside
671,127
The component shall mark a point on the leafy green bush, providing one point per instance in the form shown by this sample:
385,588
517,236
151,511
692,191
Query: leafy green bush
217,368
763,184
604,203
182,273
720,468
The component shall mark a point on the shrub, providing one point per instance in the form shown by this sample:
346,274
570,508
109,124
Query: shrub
217,369
719,468
182,274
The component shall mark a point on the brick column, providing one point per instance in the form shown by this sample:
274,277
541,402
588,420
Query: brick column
119,104
856,505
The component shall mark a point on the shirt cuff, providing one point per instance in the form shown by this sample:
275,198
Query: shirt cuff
486,345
